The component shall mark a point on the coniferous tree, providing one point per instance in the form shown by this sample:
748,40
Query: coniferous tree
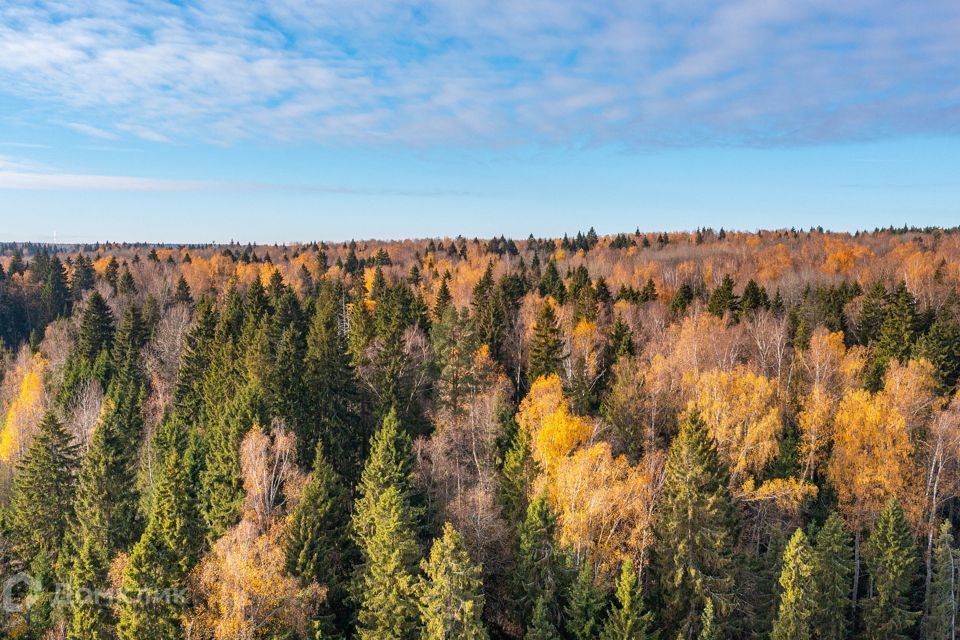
897,335
126,284
551,284
832,575
182,294
318,546
540,565
106,506
541,625
386,587
194,362
723,299
43,492
90,359
451,595
627,620
695,532
221,485
872,312
90,616
941,619
54,294
156,571
546,345
941,346
443,298
891,560
517,477
797,591
708,623
585,605
331,387
82,278
681,300
390,464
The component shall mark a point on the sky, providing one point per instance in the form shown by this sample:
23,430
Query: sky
298,120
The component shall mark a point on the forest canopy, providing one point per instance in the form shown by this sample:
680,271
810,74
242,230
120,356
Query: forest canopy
694,435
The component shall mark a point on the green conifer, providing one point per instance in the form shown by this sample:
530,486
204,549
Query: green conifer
891,560
695,532
318,547
627,621
546,345
942,599
451,595
585,604
833,577
797,591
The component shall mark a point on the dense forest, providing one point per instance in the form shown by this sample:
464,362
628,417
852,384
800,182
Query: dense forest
700,435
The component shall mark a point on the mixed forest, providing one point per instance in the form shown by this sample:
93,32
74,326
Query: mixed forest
688,436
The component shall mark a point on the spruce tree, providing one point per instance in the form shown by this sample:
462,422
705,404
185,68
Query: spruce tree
182,294
43,492
451,595
90,616
627,621
723,299
941,619
897,335
708,623
221,485
872,312
390,465
443,297
891,560
546,345
539,569
941,346
797,591
106,506
317,545
54,294
331,387
682,300
585,604
695,532
36,524
832,575
517,477
551,284
386,587
541,625
155,574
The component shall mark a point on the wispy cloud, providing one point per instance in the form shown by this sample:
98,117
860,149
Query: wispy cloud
90,130
17,174
438,72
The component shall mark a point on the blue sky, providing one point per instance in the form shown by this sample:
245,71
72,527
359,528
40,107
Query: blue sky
290,120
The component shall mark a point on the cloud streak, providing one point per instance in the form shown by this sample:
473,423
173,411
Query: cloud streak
28,176
494,73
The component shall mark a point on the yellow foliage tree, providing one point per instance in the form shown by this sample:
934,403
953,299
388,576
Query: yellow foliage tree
872,456
25,412
605,506
740,411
